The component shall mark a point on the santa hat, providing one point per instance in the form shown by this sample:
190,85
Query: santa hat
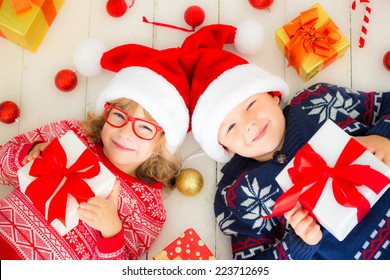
219,81
155,80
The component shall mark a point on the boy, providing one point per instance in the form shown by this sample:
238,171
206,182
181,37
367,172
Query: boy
238,111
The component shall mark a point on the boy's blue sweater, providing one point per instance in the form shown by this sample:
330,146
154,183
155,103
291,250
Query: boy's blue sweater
248,189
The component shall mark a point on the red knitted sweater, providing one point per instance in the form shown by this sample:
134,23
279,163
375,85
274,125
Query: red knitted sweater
25,234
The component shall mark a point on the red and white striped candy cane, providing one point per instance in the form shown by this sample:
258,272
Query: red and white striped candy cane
366,20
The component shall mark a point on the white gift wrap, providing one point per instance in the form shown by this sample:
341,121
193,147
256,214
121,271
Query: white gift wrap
101,184
329,142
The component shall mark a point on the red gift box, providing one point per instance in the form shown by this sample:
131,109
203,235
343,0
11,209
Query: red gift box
188,246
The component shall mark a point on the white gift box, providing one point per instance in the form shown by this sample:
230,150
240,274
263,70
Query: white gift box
329,141
101,185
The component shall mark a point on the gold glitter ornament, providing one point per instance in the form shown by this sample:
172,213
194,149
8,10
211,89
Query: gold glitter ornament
189,181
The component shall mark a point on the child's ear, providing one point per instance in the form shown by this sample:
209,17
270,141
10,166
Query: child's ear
276,95
277,99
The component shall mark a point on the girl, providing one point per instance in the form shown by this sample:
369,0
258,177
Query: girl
135,140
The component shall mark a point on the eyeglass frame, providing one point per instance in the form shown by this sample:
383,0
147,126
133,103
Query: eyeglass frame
128,119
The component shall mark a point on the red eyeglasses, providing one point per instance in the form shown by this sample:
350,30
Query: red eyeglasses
142,128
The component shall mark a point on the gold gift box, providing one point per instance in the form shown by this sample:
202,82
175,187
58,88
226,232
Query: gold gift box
28,28
311,42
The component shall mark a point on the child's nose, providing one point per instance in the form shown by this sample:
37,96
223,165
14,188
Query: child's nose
251,123
127,131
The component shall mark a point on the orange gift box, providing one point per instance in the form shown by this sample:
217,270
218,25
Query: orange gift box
311,42
26,22
188,246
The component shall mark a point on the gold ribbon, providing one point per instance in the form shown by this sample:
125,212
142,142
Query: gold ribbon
20,5
306,38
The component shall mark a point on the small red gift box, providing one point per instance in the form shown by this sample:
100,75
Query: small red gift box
335,178
66,174
188,246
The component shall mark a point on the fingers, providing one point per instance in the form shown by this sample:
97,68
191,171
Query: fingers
298,215
304,225
302,222
35,152
290,213
377,145
31,156
88,210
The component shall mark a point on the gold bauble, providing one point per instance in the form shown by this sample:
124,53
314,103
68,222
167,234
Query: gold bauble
189,181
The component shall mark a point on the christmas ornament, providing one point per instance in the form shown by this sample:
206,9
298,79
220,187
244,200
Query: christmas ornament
261,4
9,112
366,21
65,80
386,60
249,37
87,57
194,16
117,8
189,181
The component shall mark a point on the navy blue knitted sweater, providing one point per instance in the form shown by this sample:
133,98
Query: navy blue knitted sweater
248,188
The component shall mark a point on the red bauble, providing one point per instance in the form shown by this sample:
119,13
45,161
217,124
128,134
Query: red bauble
9,112
386,61
65,80
116,8
261,4
194,16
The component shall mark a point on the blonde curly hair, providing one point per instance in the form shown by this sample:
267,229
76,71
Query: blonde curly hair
162,166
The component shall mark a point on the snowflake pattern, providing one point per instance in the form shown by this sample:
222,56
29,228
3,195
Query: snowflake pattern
72,237
328,106
258,202
225,223
80,248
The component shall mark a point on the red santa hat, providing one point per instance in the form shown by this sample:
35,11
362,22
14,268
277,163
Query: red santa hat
219,81
155,80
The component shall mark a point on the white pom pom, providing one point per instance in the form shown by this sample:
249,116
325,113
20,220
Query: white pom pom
87,57
249,37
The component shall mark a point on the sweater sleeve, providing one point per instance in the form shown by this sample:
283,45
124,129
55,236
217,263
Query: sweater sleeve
16,149
359,113
110,248
239,206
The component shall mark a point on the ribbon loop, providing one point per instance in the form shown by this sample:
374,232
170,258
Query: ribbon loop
305,38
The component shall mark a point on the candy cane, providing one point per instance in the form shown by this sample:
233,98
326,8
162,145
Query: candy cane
366,20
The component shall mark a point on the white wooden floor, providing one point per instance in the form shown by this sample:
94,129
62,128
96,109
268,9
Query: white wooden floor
27,78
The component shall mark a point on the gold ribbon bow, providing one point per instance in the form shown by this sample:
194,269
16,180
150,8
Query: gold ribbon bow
306,38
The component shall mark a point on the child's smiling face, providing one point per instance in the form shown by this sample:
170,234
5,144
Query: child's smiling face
254,128
125,149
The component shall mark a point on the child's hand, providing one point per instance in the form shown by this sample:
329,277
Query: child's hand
35,152
304,225
102,213
378,145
